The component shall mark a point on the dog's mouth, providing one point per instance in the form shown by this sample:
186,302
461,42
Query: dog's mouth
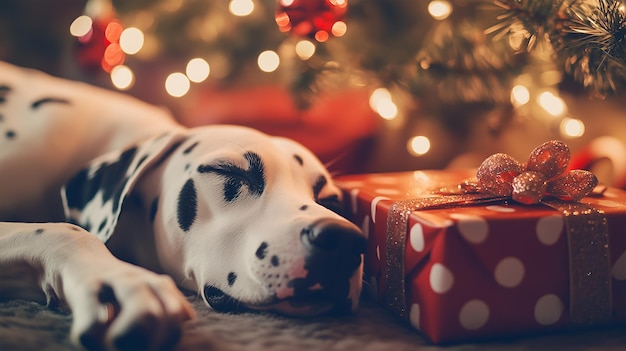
309,304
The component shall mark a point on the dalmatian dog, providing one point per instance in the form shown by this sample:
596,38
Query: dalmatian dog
108,207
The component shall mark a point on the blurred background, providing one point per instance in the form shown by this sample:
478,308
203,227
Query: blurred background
368,85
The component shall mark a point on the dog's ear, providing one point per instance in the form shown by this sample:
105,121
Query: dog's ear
93,198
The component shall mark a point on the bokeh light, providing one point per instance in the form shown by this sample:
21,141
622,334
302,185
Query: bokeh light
122,77
418,145
520,95
197,70
572,128
177,84
305,49
381,102
81,26
131,40
268,61
439,9
241,7
553,104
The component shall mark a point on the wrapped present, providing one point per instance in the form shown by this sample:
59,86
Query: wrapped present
518,249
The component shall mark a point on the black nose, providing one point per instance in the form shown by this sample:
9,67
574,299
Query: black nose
334,248
334,239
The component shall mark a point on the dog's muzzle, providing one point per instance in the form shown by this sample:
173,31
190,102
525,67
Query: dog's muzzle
333,250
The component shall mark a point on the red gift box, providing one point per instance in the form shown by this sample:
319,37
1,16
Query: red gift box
476,271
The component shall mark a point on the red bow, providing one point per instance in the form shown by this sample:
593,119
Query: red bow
542,175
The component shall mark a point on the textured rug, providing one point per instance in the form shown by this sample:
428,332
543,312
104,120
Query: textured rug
30,326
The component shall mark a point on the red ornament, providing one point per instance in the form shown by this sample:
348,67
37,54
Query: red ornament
317,19
99,48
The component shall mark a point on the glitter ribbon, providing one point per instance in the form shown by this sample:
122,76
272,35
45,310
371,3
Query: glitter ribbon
585,226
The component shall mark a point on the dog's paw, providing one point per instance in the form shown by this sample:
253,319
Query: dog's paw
124,307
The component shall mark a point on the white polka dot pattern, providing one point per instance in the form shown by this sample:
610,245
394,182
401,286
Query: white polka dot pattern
441,279
414,316
549,229
619,268
416,237
500,209
375,202
473,228
548,309
474,314
509,272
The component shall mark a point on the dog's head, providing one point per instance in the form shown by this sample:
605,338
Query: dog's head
244,218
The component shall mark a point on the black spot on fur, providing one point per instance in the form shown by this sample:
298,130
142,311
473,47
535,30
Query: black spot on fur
167,153
190,148
110,178
320,183
261,251
141,161
10,134
38,103
304,207
232,277
275,261
102,225
154,206
39,231
187,206
299,159
237,177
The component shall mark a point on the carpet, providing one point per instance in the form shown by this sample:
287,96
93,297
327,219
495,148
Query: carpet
27,325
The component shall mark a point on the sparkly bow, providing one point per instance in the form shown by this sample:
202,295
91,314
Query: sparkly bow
541,176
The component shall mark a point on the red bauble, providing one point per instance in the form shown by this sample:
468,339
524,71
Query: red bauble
311,18
99,48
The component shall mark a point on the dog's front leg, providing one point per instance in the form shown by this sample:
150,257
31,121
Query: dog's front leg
114,304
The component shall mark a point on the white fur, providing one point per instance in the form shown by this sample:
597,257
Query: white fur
54,141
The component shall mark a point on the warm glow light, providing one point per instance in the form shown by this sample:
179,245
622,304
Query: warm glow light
418,145
286,3
553,104
122,77
321,36
572,128
198,70
381,102
268,61
131,40
339,28
241,7
439,9
81,26
177,84
520,95
305,49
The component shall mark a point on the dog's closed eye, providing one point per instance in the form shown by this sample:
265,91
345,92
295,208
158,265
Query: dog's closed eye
236,176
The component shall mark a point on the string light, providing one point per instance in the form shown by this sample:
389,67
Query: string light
418,145
381,102
197,70
520,95
177,84
268,61
131,40
122,77
241,7
572,128
339,28
439,9
553,104
305,49
81,26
